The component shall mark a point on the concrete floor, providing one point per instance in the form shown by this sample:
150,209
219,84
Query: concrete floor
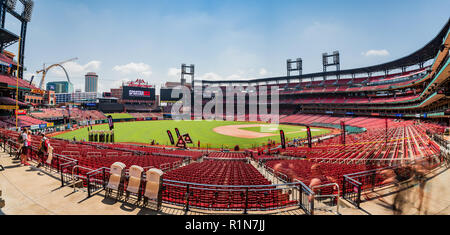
436,199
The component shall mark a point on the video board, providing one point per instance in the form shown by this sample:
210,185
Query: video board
138,93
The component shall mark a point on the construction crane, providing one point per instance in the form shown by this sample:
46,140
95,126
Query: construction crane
45,71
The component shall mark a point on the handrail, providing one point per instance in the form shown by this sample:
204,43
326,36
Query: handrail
76,167
99,170
333,195
306,187
326,185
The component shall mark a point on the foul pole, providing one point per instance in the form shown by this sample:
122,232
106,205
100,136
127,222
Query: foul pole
17,84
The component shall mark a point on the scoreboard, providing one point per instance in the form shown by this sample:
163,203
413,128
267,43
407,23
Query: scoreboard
138,93
166,95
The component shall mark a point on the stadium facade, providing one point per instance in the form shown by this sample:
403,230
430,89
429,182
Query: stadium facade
380,117
415,86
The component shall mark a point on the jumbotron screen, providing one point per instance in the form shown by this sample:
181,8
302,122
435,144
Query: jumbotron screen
166,95
138,93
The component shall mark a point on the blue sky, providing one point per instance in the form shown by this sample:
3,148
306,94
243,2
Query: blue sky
226,39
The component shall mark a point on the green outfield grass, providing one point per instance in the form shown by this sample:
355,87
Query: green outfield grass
119,115
145,132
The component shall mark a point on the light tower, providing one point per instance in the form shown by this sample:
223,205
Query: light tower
336,61
298,66
187,70
9,6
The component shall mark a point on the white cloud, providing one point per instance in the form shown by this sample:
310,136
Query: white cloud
242,74
118,83
27,76
263,72
376,53
75,69
140,68
211,76
234,77
174,72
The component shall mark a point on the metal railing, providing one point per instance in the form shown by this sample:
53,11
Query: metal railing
96,180
351,191
274,174
218,197
327,197
442,142
305,201
237,198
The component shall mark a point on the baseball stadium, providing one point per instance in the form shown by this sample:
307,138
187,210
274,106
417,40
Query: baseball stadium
333,142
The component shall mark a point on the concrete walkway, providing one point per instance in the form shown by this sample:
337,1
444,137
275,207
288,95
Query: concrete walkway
31,191
436,199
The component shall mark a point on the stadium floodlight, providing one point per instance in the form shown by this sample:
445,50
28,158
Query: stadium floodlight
299,63
11,4
28,10
299,66
336,56
325,59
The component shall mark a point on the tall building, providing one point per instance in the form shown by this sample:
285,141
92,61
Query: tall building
91,82
60,87
85,97
78,97
63,98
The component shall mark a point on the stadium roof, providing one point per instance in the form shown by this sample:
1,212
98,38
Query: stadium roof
11,101
426,53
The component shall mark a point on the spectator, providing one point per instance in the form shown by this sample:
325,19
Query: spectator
43,149
20,145
421,169
26,138
397,176
318,177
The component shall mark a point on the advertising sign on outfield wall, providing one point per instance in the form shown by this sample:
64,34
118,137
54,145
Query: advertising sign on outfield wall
21,112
